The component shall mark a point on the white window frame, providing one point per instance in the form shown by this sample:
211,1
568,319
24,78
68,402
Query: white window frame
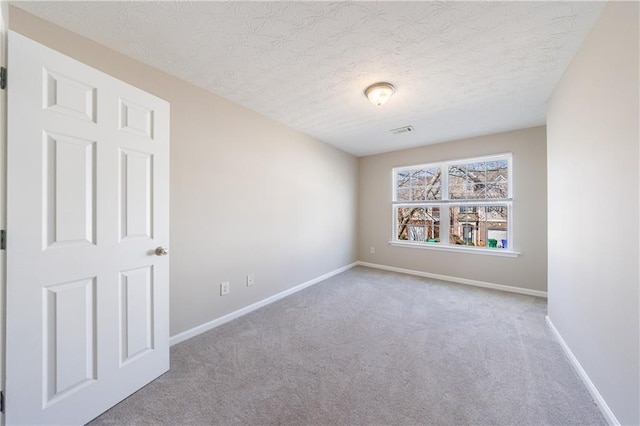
445,204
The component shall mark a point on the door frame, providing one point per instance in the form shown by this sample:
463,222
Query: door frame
4,27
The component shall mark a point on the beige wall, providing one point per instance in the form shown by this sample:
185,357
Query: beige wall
593,119
248,194
529,203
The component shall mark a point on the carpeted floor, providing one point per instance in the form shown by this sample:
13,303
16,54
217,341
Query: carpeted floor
371,347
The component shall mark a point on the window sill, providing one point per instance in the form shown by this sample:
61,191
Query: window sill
458,249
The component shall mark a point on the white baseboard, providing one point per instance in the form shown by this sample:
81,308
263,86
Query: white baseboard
602,405
181,337
466,281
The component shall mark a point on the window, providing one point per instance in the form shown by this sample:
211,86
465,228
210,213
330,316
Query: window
458,204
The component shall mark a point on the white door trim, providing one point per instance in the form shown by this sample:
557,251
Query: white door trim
4,25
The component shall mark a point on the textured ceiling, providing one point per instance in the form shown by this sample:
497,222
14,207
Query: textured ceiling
460,68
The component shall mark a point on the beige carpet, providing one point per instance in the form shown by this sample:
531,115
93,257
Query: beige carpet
370,347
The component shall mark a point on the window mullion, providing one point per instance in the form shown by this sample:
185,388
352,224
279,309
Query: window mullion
444,182
445,217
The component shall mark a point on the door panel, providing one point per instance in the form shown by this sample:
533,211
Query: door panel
69,171
136,119
136,193
69,96
70,338
87,298
136,310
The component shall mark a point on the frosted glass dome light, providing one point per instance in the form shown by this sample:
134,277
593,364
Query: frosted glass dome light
379,93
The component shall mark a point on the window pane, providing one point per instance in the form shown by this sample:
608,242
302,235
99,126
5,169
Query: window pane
419,177
456,192
457,175
418,193
419,224
479,226
402,178
477,171
496,169
403,194
499,189
433,184
499,236
498,179
477,191
496,214
463,179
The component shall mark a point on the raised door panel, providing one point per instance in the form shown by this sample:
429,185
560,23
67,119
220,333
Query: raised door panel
136,194
70,191
136,119
70,338
68,96
136,313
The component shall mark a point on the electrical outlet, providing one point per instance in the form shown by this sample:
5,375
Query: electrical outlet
251,280
372,250
224,288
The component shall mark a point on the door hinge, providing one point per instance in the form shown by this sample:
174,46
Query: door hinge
3,77
1,401
3,240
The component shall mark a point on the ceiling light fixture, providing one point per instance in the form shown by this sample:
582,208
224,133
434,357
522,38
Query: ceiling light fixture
379,93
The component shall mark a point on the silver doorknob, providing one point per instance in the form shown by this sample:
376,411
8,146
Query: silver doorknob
162,251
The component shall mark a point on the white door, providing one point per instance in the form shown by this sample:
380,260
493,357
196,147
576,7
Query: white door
88,204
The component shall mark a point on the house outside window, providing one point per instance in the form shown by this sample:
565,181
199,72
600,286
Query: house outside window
455,204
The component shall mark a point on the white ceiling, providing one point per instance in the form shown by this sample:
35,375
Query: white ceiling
460,68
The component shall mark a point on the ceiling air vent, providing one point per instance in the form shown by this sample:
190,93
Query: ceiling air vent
401,130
